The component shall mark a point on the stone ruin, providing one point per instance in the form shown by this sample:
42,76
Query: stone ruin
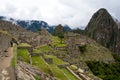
63,65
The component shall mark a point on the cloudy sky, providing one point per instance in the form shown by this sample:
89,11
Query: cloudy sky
75,13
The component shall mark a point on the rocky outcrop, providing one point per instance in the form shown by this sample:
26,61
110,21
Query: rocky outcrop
27,72
103,28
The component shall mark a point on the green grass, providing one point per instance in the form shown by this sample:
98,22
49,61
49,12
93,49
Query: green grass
96,52
24,45
57,72
36,50
22,52
43,48
37,78
61,45
41,64
56,42
55,39
56,60
13,62
61,74
70,75
73,67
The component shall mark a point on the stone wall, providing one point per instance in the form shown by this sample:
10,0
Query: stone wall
49,60
4,43
63,65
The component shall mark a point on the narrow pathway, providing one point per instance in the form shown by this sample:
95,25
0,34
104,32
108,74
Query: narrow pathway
6,61
6,71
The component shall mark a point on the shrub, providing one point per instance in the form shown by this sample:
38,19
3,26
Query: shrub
82,48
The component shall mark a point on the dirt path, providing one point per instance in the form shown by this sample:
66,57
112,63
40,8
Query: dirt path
6,70
5,63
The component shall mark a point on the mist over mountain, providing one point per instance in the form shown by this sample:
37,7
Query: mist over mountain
33,25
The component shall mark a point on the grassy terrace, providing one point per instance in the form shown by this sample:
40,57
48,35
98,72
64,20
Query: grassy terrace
13,62
43,48
62,74
96,52
70,75
24,54
56,42
24,45
41,64
56,60
57,72
37,51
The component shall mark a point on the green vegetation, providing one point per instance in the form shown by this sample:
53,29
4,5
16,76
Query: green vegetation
23,54
49,68
61,45
37,78
78,30
36,51
24,45
96,52
73,67
52,69
57,72
82,48
43,48
106,71
39,62
56,60
63,74
56,42
55,39
59,31
13,63
116,57
70,75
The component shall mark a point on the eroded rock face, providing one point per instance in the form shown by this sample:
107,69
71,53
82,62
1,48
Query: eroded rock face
103,28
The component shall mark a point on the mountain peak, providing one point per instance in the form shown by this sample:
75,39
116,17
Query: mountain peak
101,13
102,10
103,28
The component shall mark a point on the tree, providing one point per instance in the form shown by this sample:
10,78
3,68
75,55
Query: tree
59,31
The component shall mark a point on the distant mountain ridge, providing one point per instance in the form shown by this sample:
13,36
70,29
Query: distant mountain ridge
33,25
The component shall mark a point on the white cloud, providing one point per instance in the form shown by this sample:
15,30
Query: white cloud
75,13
